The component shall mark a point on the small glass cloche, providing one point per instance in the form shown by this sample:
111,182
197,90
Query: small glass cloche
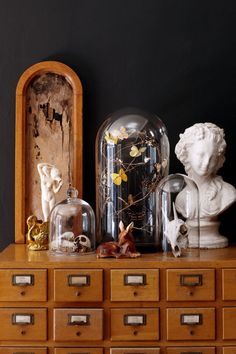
72,226
178,215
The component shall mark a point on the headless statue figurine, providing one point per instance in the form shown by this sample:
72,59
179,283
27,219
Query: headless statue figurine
51,183
201,150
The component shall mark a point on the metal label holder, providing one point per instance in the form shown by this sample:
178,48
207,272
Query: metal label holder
22,319
187,279
135,320
78,280
192,319
78,320
135,279
22,279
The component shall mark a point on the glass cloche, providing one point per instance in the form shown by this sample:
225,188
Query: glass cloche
132,156
72,226
178,215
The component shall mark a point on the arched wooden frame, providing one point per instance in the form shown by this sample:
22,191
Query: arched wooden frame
20,152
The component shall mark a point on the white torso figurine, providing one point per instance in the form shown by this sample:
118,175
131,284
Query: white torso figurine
201,149
51,183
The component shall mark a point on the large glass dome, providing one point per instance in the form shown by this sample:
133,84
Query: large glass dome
132,156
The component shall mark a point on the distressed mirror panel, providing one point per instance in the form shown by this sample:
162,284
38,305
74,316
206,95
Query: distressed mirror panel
49,109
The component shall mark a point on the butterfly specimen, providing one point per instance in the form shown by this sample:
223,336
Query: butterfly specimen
121,134
135,151
163,165
110,139
117,178
115,135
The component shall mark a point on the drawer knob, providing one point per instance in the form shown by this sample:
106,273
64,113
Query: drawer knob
22,293
191,332
78,333
23,333
78,293
191,293
135,293
135,333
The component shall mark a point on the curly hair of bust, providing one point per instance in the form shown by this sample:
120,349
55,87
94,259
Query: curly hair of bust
201,131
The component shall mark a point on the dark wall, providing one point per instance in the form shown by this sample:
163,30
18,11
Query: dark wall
174,58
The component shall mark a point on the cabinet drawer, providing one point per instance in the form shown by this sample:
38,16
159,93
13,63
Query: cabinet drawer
135,350
191,350
78,351
229,323
190,284
78,324
229,350
23,324
191,324
23,285
22,350
78,285
229,284
135,324
135,285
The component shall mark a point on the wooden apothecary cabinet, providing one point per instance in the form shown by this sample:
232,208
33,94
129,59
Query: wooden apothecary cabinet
151,305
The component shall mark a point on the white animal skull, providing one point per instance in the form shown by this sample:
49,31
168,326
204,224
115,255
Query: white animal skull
68,246
177,234
68,235
84,243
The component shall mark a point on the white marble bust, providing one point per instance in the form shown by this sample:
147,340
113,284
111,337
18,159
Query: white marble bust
201,149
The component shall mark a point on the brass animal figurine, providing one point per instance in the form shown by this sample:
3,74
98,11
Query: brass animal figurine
125,247
37,235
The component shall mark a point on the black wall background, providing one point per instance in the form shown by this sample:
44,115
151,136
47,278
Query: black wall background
174,58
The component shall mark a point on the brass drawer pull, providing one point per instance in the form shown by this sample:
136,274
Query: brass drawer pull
22,319
78,280
135,279
78,320
22,279
191,319
135,320
190,279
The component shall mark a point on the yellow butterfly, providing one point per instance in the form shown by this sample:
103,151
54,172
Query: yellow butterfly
110,139
135,152
123,133
162,165
117,178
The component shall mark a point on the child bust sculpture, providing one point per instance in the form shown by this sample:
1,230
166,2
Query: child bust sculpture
201,149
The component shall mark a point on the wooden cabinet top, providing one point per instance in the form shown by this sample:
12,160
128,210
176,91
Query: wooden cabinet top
17,255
